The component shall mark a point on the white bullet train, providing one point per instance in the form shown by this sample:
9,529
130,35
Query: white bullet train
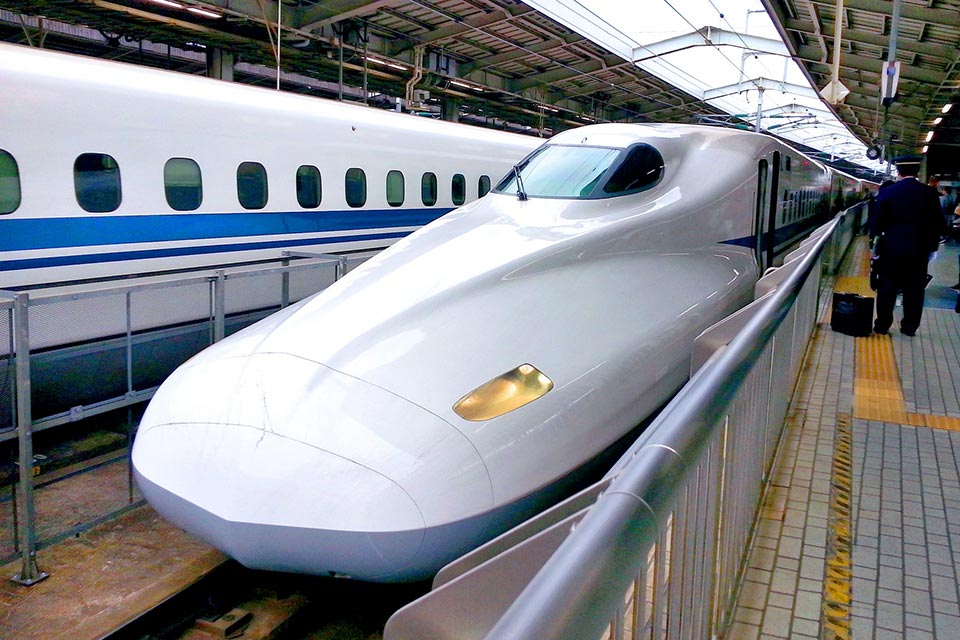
464,377
110,169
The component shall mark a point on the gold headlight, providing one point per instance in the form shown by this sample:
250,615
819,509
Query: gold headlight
504,393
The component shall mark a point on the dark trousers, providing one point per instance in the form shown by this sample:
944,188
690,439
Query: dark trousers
908,275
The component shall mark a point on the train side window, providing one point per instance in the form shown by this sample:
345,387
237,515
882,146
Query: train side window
182,184
96,181
428,189
309,186
356,187
483,186
252,185
458,189
394,188
641,168
9,183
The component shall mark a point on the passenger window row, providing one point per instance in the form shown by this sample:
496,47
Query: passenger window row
96,179
799,204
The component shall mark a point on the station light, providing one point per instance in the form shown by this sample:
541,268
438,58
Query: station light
946,108
929,136
925,149
385,63
203,12
167,3
937,121
466,86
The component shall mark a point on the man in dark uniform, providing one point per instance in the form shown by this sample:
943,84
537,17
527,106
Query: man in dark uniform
909,223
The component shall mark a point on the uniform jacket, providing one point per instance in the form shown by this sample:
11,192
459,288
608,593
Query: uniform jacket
908,215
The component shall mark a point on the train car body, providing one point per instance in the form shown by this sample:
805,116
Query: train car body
109,169
461,379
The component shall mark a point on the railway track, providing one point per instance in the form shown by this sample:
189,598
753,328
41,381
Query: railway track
235,602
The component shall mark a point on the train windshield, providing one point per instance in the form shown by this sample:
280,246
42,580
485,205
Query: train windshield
580,172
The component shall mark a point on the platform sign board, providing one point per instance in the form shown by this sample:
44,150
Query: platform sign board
888,81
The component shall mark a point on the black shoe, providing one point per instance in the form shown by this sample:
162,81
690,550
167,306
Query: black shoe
881,332
908,333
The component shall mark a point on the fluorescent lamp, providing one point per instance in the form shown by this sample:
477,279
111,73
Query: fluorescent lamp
929,136
925,149
465,85
167,3
203,12
946,108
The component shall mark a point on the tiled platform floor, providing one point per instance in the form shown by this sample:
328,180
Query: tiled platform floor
859,534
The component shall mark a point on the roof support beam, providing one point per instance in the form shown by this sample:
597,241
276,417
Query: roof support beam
539,48
909,11
568,72
875,39
709,37
332,11
466,26
811,56
759,83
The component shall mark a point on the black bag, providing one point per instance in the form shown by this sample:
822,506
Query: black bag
852,314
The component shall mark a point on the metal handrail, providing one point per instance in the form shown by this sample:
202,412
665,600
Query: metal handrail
613,539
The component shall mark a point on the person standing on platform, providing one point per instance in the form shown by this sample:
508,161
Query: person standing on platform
909,223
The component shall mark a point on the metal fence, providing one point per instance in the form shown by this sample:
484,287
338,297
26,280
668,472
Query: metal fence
74,353
655,550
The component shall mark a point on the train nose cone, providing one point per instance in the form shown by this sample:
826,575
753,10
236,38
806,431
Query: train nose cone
288,465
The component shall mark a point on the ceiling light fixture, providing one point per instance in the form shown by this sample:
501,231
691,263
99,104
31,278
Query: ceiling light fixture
203,12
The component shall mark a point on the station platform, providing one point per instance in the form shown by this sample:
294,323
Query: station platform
859,534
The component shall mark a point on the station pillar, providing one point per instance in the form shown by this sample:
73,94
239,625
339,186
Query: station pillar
220,64
450,109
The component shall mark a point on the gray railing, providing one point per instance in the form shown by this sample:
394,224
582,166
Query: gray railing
74,353
660,552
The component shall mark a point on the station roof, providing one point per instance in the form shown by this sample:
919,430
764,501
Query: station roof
505,63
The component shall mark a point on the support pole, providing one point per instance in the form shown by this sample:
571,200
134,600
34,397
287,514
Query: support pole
220,306
888,80
758,128
30,573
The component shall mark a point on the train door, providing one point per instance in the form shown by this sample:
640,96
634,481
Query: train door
765,223
771,231
760,219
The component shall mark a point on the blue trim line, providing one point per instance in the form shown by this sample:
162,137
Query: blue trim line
25,234
93,258
780,235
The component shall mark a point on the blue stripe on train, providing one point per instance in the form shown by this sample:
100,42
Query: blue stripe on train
92,230
781,235
92,258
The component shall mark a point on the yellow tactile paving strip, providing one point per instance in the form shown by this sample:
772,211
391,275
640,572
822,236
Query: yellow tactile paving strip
877,394
838,569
